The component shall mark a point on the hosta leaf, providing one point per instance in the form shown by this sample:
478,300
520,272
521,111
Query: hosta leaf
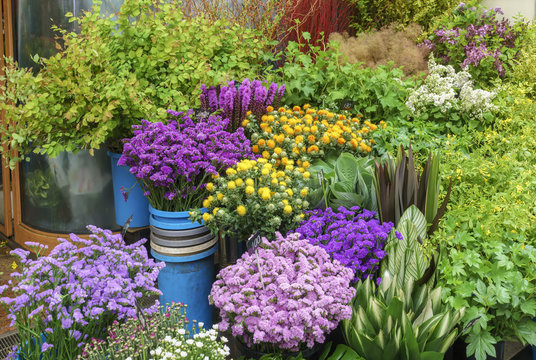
346,168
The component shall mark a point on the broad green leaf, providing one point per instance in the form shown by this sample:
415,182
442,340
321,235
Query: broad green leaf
481,345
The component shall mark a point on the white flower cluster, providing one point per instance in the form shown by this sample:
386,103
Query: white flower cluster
202,346
448,90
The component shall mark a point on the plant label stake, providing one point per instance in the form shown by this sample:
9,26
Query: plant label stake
252,244
126,226
346,104
320,177
139,314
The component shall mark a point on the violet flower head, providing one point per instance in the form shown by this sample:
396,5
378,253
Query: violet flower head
353,237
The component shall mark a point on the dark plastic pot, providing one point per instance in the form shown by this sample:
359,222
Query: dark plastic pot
458,351
308,354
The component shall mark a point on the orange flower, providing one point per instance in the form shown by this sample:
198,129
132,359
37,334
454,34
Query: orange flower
281,110
271,144
255,149
297,129
269,109
311,138
341,141
278,150
296,150
268,130
299,139
342,117
265,154
372,141
326,139
290,131
261,142
279,138
296,108
312,148
263,126
363,146
354,143
306,106
245,122
305,164
356,120
314,129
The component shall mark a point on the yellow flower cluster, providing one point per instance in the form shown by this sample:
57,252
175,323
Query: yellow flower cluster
255,194
304,134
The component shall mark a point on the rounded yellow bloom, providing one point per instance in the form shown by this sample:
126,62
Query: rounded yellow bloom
219,196
287,209
307,174
263,126
262,161
311,138
270,143
250,190
241,210
341,141
215,210
261,142
265,154
269,109
296,108
230,171
206,216
250,182
314,129
255,149
210,186
289,192
306,106
231,185
281,110
326,139
239,182
206,203
274,181
306,164
245,122
266,194
265,171
303,192
278,150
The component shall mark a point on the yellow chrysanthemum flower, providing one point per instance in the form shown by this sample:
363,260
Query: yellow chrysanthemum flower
206,217
250,182
231,185
287,209
239,182
250,190
241,210
210,186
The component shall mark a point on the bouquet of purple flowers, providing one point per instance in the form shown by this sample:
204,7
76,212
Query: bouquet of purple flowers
174,161
289,296
235,101
74,293
353,237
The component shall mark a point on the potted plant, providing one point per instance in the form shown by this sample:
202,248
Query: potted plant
286,297
116,71
164,335
174,162
71,295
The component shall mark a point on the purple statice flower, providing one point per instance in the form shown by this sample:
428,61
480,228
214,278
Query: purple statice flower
73,288
235,101
353,237
288,295
173,161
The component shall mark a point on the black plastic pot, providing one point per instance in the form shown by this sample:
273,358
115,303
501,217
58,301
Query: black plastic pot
248,353
458,351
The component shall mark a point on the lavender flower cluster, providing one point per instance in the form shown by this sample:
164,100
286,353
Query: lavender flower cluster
353,237
235,101
474,40
289,296
174,160
78,290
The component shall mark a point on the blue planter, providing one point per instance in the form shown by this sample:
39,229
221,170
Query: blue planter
43,339
189,272
136,204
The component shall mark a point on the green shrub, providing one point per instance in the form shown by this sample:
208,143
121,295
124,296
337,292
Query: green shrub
375,14
148,58
489,230
318,78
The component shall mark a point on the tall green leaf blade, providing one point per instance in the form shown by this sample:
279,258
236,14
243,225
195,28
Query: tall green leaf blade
432,190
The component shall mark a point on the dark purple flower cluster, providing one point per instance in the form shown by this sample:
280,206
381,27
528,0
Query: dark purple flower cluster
80,288
175,160
477,41
235,101
354,237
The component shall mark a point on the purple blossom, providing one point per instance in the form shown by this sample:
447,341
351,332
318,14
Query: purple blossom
46,346
175,160
235,104
300,297
69,289
353,237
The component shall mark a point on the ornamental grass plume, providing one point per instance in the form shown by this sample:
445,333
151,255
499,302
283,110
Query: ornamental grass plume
354,237
173,161
75,292
288,295
236,101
